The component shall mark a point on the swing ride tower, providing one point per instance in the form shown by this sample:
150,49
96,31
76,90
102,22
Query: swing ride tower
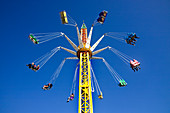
84,53
85,94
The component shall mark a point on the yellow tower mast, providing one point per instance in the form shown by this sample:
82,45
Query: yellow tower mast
85,94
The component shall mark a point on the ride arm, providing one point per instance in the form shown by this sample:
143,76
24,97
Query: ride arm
79,37
100,50
73,45
71,58
96,44
68,50
89,37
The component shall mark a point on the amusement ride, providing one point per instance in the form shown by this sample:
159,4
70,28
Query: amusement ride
84,53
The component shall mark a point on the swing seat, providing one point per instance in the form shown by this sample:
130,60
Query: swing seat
100,96
63,17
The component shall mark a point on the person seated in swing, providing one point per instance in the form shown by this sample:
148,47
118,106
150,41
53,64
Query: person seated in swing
36,41
100,96
37,68
47,87
34,67
133,36
137,64
101,20
30,65
71,97
122,83
103,13
134,65
130,41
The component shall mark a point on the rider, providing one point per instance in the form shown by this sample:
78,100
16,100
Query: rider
34,67
137,64
101,20
132,36
36,42
29,65
134,65
103,13
129,41
47,87
100,96
38,67
71,97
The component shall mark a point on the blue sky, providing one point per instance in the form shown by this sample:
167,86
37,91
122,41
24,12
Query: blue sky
147,91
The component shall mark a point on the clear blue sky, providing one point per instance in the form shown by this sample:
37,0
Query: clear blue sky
148,90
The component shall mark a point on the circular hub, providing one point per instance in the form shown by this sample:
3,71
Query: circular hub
84,50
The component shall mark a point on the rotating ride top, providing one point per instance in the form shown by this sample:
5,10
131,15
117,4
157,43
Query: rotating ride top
84,53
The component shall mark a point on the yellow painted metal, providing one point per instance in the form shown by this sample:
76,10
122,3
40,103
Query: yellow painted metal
85,94
80,71
91,102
